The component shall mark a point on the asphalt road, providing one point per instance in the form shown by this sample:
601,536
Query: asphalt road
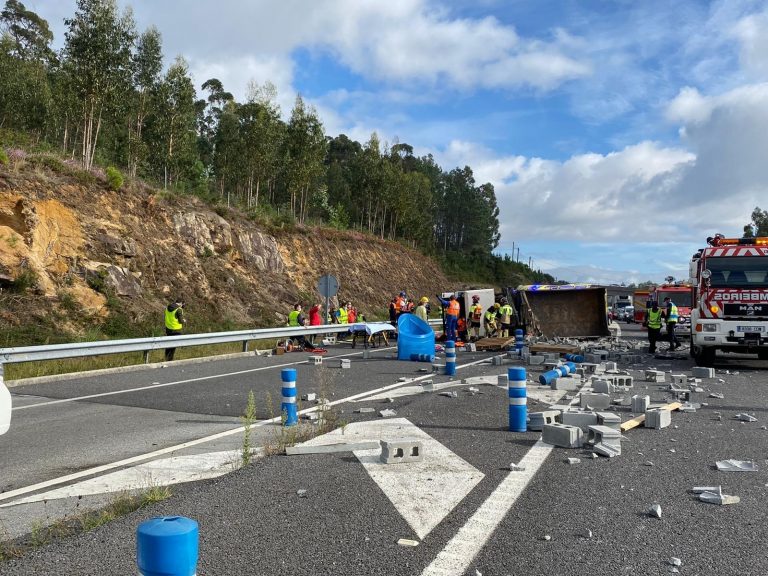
253,521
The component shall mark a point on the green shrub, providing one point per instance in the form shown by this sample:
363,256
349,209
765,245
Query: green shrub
3,158
49,161
24,281
114,178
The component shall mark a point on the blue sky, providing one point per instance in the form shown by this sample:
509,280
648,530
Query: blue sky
618,134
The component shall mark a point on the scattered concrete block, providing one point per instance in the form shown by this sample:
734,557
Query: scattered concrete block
701,372
573,461
311,397
582,420
609,419
386,413
503,380
329,340
657,418
365,410
595,400
564,384
562,435
736,466
592,359
516,467
311,416
550,365
744,417
655,376
606,440
677,378
330,448
611,366
537,420
427,385
496,360
470,347
401,451
345,363
607,449
407,542
315,360
438,368
640,404
589,367
366,354
602,386
450,394
717,395
655,511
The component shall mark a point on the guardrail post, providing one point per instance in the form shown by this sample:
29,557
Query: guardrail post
6,404
288,406
167,546
518,408
146,356
245,345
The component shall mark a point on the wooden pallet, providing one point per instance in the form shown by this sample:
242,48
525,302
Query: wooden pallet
554,348
486,344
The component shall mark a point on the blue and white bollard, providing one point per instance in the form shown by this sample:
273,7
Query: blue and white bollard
518,408
450,357
423,357
288,406
167,547
519,340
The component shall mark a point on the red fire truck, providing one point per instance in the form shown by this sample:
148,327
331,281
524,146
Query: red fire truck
731,297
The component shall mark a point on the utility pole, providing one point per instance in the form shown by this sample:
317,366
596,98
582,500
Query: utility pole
529,261
518,255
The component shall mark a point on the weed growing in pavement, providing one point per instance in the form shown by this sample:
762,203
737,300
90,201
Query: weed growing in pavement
248,418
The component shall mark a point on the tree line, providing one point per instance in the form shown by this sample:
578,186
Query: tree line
104,99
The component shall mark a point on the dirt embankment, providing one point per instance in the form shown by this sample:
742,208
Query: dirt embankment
87,254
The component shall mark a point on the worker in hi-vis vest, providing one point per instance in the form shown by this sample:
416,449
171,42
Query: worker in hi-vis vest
505,317
474,317
174,323
652,321
672,317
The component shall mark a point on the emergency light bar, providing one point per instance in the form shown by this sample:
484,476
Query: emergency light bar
719,240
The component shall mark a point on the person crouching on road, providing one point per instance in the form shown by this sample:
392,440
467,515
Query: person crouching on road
652,321
671,316
296,318
174,323
489,321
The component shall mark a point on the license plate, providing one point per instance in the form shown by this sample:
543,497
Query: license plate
750,329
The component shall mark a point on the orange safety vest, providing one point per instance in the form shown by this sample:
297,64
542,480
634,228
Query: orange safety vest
453,308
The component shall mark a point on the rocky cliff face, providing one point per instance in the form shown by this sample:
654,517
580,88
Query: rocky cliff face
86,253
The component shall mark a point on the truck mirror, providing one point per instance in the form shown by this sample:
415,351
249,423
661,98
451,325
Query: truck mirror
706,273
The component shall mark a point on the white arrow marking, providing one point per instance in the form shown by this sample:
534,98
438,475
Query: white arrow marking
422,492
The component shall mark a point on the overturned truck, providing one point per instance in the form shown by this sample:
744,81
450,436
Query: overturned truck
563,310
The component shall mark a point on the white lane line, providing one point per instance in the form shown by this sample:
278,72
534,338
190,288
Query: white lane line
152,386
457,556
141,457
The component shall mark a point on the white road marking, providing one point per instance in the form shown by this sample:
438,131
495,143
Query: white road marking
422,492
456,557
149,455
163,472
152,386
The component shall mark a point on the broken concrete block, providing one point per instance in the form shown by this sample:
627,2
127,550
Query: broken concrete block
573,460
657,418
745,417
655,376
609,419
581,419
701,372
315,360
607,441
640,404
365,410
516,467
311,397
595,400
427,385
589,367
537,420
655,511
562,435
438,368
503,381
400,451
387,413
677,378
345,363
564,384
535,360
450,394
611,366
736,466
496,360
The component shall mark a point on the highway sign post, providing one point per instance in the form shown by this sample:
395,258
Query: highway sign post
328,286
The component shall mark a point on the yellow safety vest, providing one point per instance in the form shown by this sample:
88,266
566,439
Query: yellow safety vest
506,314
293,318
654,318
171,321
343,316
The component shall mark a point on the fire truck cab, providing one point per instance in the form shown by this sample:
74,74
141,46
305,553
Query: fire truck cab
730,298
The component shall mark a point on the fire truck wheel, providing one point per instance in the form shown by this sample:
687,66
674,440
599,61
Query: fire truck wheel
762,354
705,356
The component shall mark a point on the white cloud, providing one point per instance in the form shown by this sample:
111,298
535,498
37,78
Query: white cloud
752,32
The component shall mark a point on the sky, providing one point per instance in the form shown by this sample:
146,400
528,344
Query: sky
618,134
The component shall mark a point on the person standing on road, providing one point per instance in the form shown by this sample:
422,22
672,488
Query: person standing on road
671,316
505,316
421,309
174,323
652,321
475,317
452,309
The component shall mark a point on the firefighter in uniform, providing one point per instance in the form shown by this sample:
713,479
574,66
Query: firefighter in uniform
475,316
174,323
671,316
489,321
452,309
505,316
653,323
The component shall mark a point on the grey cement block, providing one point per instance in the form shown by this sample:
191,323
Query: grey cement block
678,378
401,451
611,366
589,367
537,420
657,418
315,360
345,363
496,360
609,419
562,435
602,386
536,360
564,384
701,372
655,376
582,420
640,404
594,400
597,434
592,358
311,397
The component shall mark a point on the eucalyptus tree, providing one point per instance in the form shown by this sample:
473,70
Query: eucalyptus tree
97,52
147,67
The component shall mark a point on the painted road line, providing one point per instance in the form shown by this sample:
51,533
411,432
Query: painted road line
175,383
456,557
424,492
149,455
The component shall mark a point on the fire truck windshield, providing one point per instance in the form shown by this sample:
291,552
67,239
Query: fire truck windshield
680,298
738,271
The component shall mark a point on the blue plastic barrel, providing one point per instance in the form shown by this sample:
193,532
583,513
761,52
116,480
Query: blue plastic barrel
167,546
518,408
450,358
414,336
578,358
423,357
545,379
571,367
288,405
